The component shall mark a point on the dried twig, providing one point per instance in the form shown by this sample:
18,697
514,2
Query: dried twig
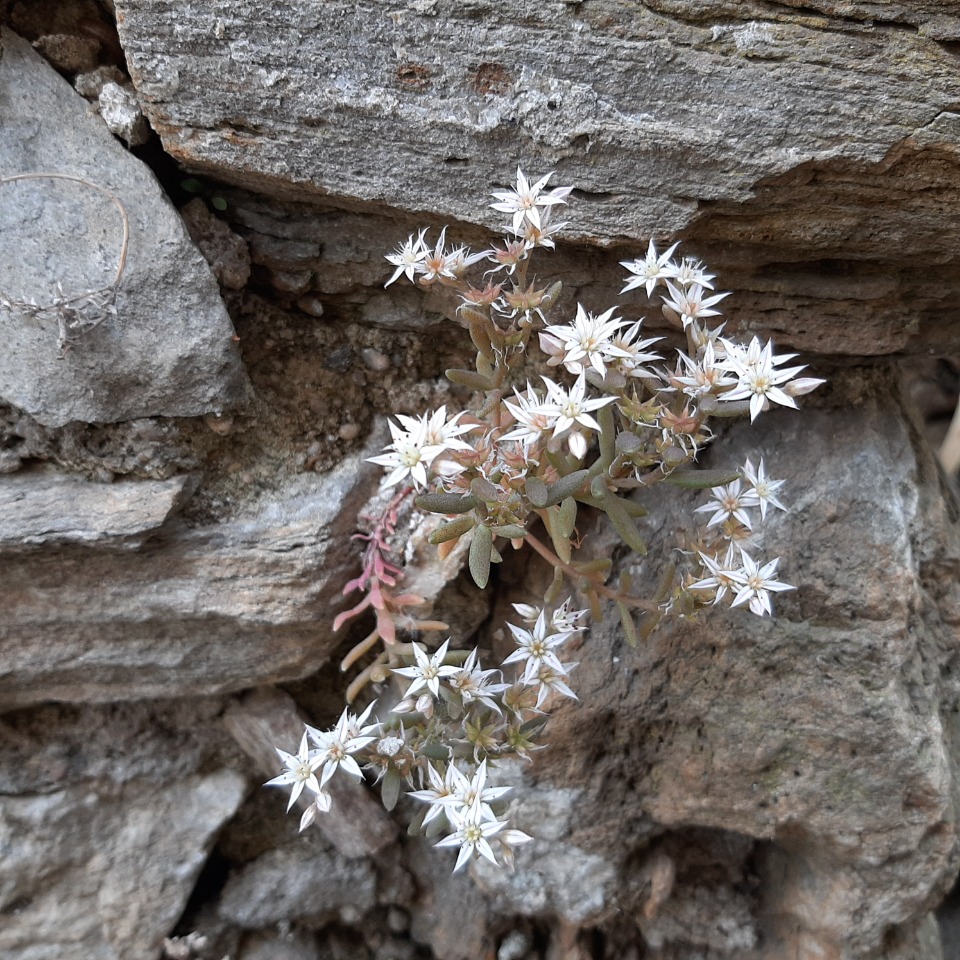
75,314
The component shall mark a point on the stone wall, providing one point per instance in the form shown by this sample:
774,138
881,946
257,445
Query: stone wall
181,480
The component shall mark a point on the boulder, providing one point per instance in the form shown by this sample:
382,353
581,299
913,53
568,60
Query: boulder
168,350
774,138
197,610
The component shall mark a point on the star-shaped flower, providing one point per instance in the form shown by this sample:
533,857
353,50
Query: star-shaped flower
524,200
650,270
755,584
428,670
408,258
300,772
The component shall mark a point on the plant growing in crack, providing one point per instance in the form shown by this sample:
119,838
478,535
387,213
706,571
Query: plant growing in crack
75,312
614,421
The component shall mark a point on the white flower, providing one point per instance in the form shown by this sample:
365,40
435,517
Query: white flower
472,835
551,680
408,258
437,794
428,670
467,794
764,488
437,263
300,772
524,200
438,431
417,442
730,501
590,339
473,684
689,272
536,647
759,380
724,575
460,258
690,303
650,270
571,406
539,236
562,619
754,584
409,455
703,376
533,420
631,365
335,746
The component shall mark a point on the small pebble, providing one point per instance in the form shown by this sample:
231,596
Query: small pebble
375,360
311,305
219,423
349,431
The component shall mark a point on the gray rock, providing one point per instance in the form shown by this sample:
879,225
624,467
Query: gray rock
294,946
768,135
95,875
823,737
227,253
169,350
121,113
204,609
304,881
51,509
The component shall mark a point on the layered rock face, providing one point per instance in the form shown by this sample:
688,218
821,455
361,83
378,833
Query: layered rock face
180,481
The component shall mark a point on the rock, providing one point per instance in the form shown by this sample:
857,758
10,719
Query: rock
304,881
121,113
227,253
450,915
822,738
105,825
764,135
554,876
69,52
169,350
89,85
204,609
297,946
44,510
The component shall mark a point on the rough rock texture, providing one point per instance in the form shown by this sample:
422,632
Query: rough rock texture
171,337
733,124
822,742
736,789
105,822
197,611
53,509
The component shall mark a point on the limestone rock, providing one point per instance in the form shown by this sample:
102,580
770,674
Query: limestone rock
169,350
53,509
227,253
105,825
203,609
768,135
824,738
121,113
305,882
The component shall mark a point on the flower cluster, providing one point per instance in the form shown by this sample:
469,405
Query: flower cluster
452,719
517,469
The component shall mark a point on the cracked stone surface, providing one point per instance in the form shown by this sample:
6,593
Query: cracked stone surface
771,136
